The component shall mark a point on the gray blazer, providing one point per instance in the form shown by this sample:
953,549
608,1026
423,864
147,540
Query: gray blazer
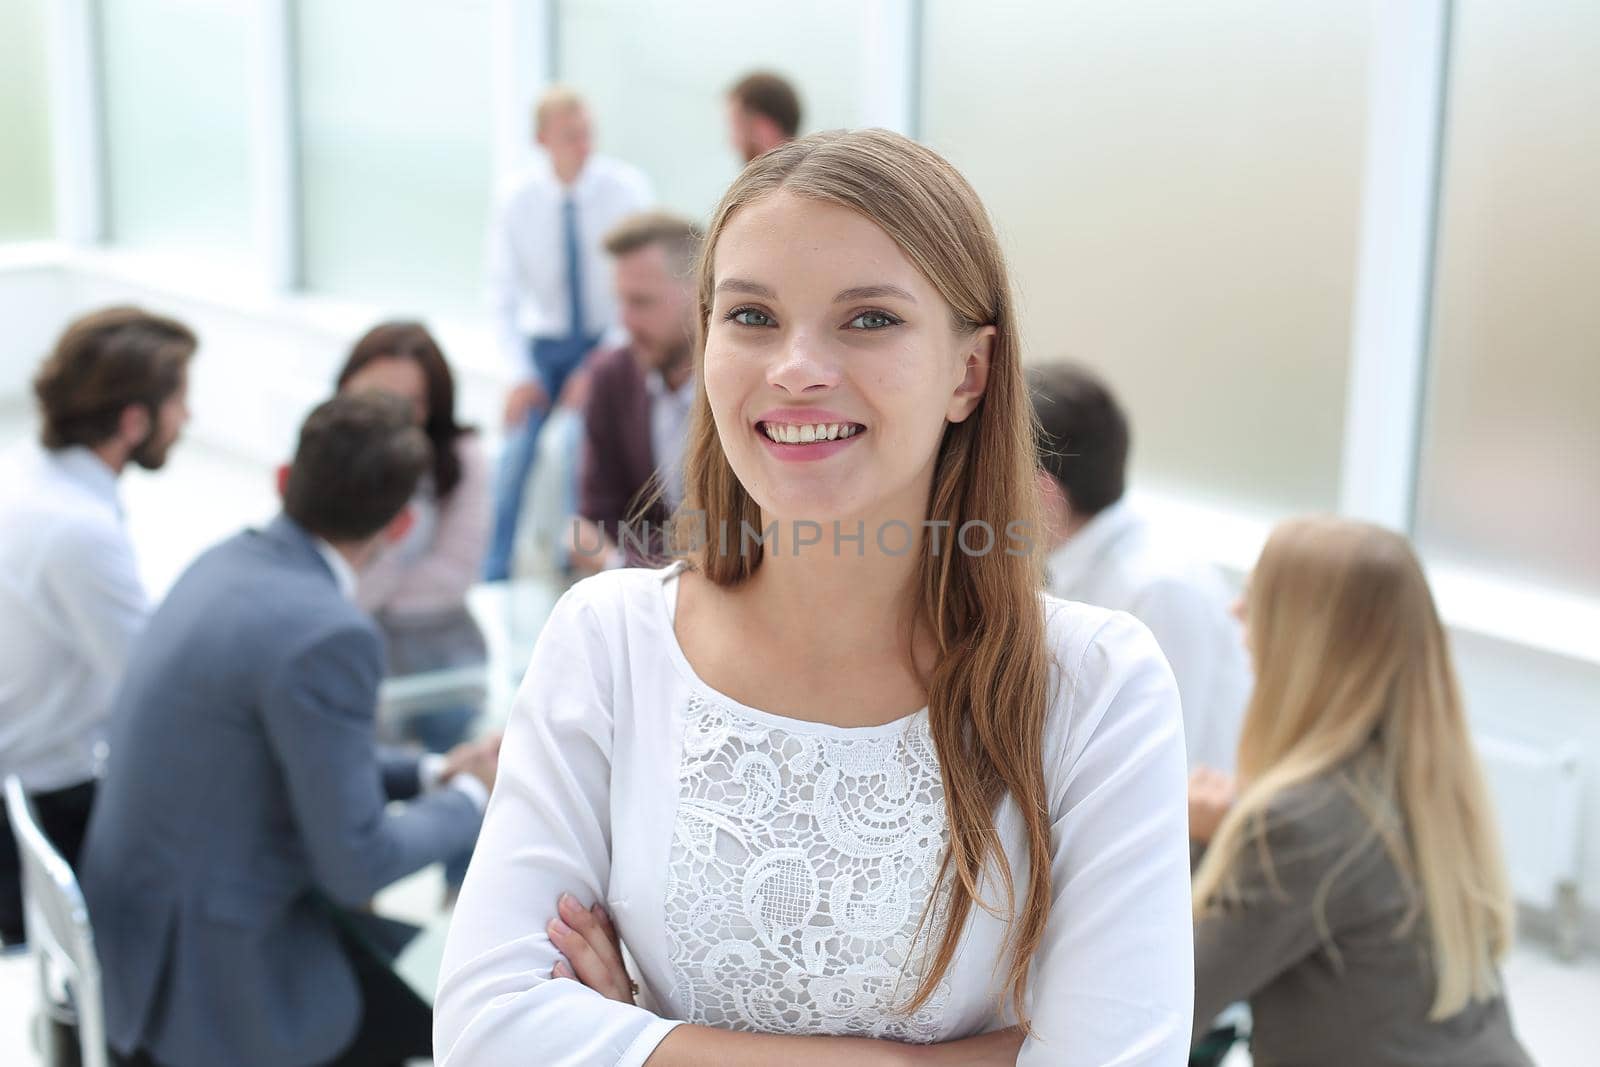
244,792
1360,997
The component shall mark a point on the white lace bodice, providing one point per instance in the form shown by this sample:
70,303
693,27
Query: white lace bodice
768,874
801,865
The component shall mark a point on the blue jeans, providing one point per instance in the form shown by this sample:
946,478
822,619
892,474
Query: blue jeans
553,363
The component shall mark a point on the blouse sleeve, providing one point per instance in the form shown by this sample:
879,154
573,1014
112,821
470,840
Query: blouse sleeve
547,831
1112,984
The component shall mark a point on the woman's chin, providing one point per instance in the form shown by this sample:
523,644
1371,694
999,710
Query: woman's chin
822,508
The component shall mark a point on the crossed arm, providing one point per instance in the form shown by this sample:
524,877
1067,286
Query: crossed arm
592,955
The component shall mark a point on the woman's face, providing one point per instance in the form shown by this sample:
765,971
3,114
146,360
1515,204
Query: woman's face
396,376
831,363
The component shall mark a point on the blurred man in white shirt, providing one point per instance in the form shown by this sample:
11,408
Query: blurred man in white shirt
1105,553
113,392
551,286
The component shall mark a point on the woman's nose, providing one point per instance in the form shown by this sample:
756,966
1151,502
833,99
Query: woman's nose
802,365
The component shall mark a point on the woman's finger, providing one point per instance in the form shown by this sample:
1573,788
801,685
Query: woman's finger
586,964
599,937
603,917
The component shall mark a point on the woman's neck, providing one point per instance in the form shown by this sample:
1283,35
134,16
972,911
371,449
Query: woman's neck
841,599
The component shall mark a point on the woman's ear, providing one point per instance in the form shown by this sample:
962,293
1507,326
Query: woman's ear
283,480
977,354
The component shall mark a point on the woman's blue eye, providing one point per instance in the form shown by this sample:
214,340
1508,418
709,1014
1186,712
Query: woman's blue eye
873,320
751,317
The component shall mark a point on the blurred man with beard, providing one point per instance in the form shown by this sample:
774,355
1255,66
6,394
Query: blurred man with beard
636,414
113,392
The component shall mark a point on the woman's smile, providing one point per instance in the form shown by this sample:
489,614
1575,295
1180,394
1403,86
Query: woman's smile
806,434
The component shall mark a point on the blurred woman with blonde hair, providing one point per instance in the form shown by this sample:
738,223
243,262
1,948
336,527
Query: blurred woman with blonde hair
1354,890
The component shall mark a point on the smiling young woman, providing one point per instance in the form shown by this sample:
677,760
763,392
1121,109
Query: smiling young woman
839,801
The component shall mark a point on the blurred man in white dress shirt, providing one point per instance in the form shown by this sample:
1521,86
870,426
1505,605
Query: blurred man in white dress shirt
550,283
112,392
1105,553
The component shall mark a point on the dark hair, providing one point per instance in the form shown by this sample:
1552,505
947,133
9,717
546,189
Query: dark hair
1083,440
411,340
358,462
678,236
770,95
105,362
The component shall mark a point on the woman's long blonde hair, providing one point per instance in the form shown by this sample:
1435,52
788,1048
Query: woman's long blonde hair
1353,660
988,689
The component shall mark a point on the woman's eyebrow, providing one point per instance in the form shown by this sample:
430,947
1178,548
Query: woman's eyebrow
871,292
744,285
860,292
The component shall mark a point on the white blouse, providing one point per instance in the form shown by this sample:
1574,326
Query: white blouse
769,874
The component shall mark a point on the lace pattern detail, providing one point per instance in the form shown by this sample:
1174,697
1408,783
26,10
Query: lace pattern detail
800,866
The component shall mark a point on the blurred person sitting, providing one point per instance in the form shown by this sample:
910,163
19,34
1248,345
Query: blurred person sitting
763,112
245,810
549,285
636,415
1353,889
1104,552
113,392
416,589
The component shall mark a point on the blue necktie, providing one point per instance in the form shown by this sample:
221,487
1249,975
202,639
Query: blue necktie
569,230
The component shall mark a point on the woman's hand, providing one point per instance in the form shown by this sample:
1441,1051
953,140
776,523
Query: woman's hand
1211,794
592,950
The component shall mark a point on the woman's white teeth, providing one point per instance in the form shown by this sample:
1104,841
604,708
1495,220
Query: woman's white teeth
805,435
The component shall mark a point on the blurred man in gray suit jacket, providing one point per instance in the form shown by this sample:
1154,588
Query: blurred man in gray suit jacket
245,810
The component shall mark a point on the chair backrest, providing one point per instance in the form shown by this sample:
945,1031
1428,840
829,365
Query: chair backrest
57,923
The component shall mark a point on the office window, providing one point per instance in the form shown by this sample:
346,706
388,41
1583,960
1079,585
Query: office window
1511,459
25,200
395,118
176,104
1177,186
656,73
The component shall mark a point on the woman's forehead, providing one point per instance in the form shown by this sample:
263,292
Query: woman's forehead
788,240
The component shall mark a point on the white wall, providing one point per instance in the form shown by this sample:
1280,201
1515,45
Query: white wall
1187,227
32,301
1516,689
264,360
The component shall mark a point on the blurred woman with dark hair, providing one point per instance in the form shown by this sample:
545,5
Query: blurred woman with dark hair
417,589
